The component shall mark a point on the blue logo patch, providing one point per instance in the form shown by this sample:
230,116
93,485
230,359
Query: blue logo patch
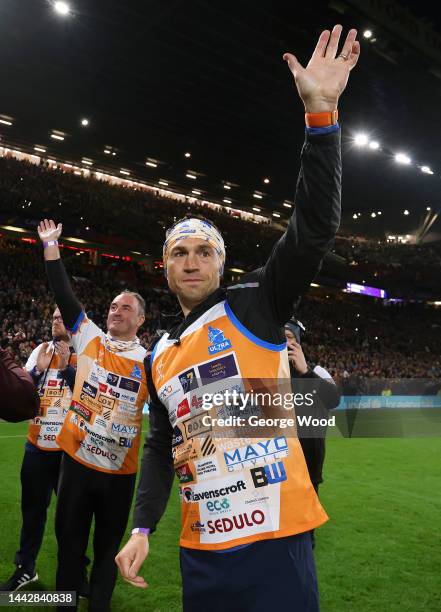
217,340
136,372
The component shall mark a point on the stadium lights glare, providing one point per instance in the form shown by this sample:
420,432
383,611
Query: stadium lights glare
226,186
266,181
406,212
151,164
84,122
276,214
379,212
196,191
367,33
402,158
287,205
126,172
161,182
40,149
62,8
355,216
5,122
373,215
256,209
227,201
257,196
187,154
87,162
426,170
57,137
361,140
191,176
428,208
107,151
374,145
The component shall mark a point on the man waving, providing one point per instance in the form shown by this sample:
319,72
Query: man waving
247,504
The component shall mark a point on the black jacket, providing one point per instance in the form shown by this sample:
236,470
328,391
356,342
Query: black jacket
262,302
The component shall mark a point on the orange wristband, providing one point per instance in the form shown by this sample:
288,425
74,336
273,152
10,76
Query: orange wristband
321,119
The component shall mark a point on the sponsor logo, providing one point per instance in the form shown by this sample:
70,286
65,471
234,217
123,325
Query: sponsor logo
96,450
54,392
65,411
74,419
198,527
184,452
184,473
37,421
136,372
166,392
196,402
218,506
195,426
107,402
94,378
53,383
53,427
114,393
208,447
124,429
206,468
238,521
217,341
112,379
81,410
126,442
49,437
178,438
223,367
102,387
89,390
248,456
129,385
100,422
127,397
107,414
127,409
188,380
52,411
268,474
183,408
255,500
189,495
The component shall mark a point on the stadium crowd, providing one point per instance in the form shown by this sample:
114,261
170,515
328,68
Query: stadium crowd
354,338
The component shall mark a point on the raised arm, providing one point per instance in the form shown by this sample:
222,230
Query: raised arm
297,256
65,298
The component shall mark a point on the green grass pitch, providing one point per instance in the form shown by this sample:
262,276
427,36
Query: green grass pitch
379,551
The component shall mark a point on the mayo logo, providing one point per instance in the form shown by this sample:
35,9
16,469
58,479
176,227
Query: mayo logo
217,340
124,429
249,456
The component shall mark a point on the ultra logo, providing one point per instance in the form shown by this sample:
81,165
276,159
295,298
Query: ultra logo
217,340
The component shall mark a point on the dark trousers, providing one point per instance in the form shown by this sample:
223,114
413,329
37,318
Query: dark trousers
39,478
268,575
84,493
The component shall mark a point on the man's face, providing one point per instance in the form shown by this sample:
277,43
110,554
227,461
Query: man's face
193,271
124,317
58,329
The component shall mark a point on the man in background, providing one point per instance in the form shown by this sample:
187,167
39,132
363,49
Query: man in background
52,368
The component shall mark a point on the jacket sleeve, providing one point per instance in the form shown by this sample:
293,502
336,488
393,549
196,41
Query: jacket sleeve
157,473
68,375
327,391
297,256
19,397
65,298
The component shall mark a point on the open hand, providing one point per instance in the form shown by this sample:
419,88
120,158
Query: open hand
324,79
47,230
43,358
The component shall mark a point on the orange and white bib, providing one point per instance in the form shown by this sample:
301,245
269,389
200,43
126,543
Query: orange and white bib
233,490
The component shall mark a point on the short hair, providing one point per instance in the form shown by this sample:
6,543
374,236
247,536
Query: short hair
139,299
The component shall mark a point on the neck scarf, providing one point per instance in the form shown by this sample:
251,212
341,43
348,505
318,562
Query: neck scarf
120,346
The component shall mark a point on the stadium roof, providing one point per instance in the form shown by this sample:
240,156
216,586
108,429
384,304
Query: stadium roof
160,79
